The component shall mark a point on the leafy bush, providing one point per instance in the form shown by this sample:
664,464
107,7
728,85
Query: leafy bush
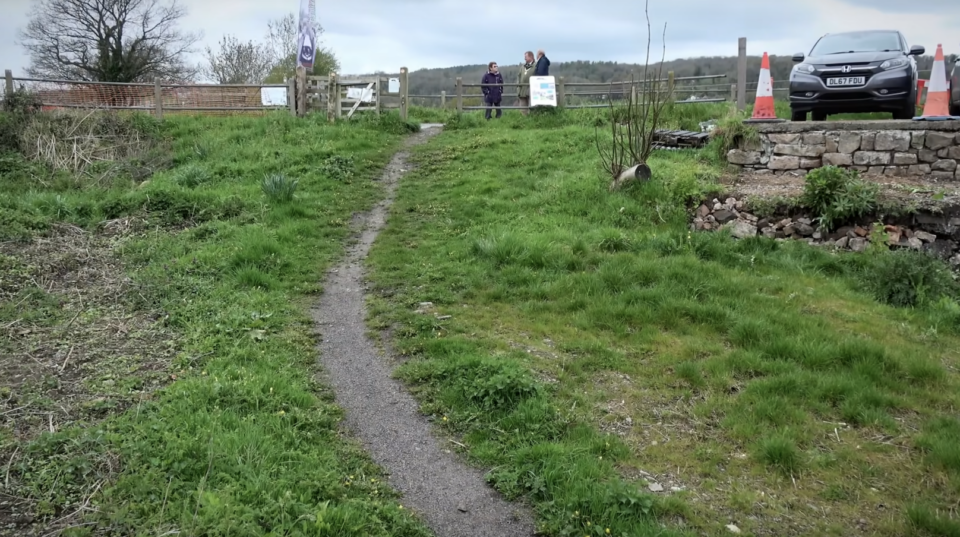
338,168
837,195
906,278
278,188
192,176
19,108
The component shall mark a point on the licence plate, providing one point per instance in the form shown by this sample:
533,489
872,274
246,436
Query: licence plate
847,81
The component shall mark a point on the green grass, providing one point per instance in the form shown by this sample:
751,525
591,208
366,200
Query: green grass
244,442
771,367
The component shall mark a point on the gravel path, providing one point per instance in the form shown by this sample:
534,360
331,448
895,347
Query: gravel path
452,497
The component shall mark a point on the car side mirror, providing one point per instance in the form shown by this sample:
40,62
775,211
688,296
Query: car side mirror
798,57
917,50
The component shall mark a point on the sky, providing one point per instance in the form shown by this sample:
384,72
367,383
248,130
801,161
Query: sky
383,35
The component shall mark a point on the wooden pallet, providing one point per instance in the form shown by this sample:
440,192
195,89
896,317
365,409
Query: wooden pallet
669,139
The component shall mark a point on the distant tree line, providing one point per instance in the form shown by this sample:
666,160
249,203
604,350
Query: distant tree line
139,40
432,81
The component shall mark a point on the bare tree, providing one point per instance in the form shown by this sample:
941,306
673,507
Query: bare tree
107,40
633,126
283,39
237,62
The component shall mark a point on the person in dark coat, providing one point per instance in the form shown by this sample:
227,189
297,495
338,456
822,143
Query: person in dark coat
492,94
543,64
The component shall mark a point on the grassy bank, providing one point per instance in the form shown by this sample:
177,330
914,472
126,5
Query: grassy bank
222,429
589,349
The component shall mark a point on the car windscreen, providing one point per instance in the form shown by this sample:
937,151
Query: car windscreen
859,42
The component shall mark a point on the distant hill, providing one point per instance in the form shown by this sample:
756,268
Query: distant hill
432,81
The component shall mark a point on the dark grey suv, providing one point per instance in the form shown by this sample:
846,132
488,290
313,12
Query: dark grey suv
954,83
854,72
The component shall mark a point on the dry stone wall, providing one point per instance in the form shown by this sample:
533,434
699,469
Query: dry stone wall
891,148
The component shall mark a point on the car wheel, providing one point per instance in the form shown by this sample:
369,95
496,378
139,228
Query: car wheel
818,116
908,111
797,116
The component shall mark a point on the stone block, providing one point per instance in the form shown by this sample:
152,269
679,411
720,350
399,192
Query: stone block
871,158
784,138
797,150
927,155
919,169
867,140
950,152
837,159
895,171
944,165
916,139
743,158
904,158
849,142
832,143
874,171
814,138
939,140
937,174
809,163
892,141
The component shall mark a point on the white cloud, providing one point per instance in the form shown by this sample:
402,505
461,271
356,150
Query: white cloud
387,34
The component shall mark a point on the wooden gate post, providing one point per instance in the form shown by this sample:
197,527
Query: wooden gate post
742,73
459,95
292,96
404,94
333,98
443,98
301,91
158,98
561,94
8,75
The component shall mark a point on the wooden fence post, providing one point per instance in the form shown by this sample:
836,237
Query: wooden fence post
443,98
742,73
561,94
8,75
404,94
733,93
292,96
301,91
633,94
671,84
459,95
339,90
333,98
377,95
158,98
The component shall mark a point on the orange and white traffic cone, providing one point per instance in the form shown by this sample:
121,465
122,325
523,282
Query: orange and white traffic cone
763,110
937,107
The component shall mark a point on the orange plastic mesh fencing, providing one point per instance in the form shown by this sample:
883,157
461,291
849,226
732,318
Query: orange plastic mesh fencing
205,99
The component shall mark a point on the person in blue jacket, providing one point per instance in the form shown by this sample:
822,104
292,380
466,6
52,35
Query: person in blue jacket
492,94
543,64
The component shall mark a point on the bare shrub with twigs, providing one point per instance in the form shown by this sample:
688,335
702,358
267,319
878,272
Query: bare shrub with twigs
94,144
633,125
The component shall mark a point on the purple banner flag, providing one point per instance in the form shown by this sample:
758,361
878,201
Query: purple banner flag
308,34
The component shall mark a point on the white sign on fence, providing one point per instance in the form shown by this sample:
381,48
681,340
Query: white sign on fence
360,94
393,86
543,91
273,96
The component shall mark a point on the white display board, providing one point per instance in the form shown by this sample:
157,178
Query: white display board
273,96
543,91
360,94
393,85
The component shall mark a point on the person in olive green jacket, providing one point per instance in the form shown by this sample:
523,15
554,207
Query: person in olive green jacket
523,91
